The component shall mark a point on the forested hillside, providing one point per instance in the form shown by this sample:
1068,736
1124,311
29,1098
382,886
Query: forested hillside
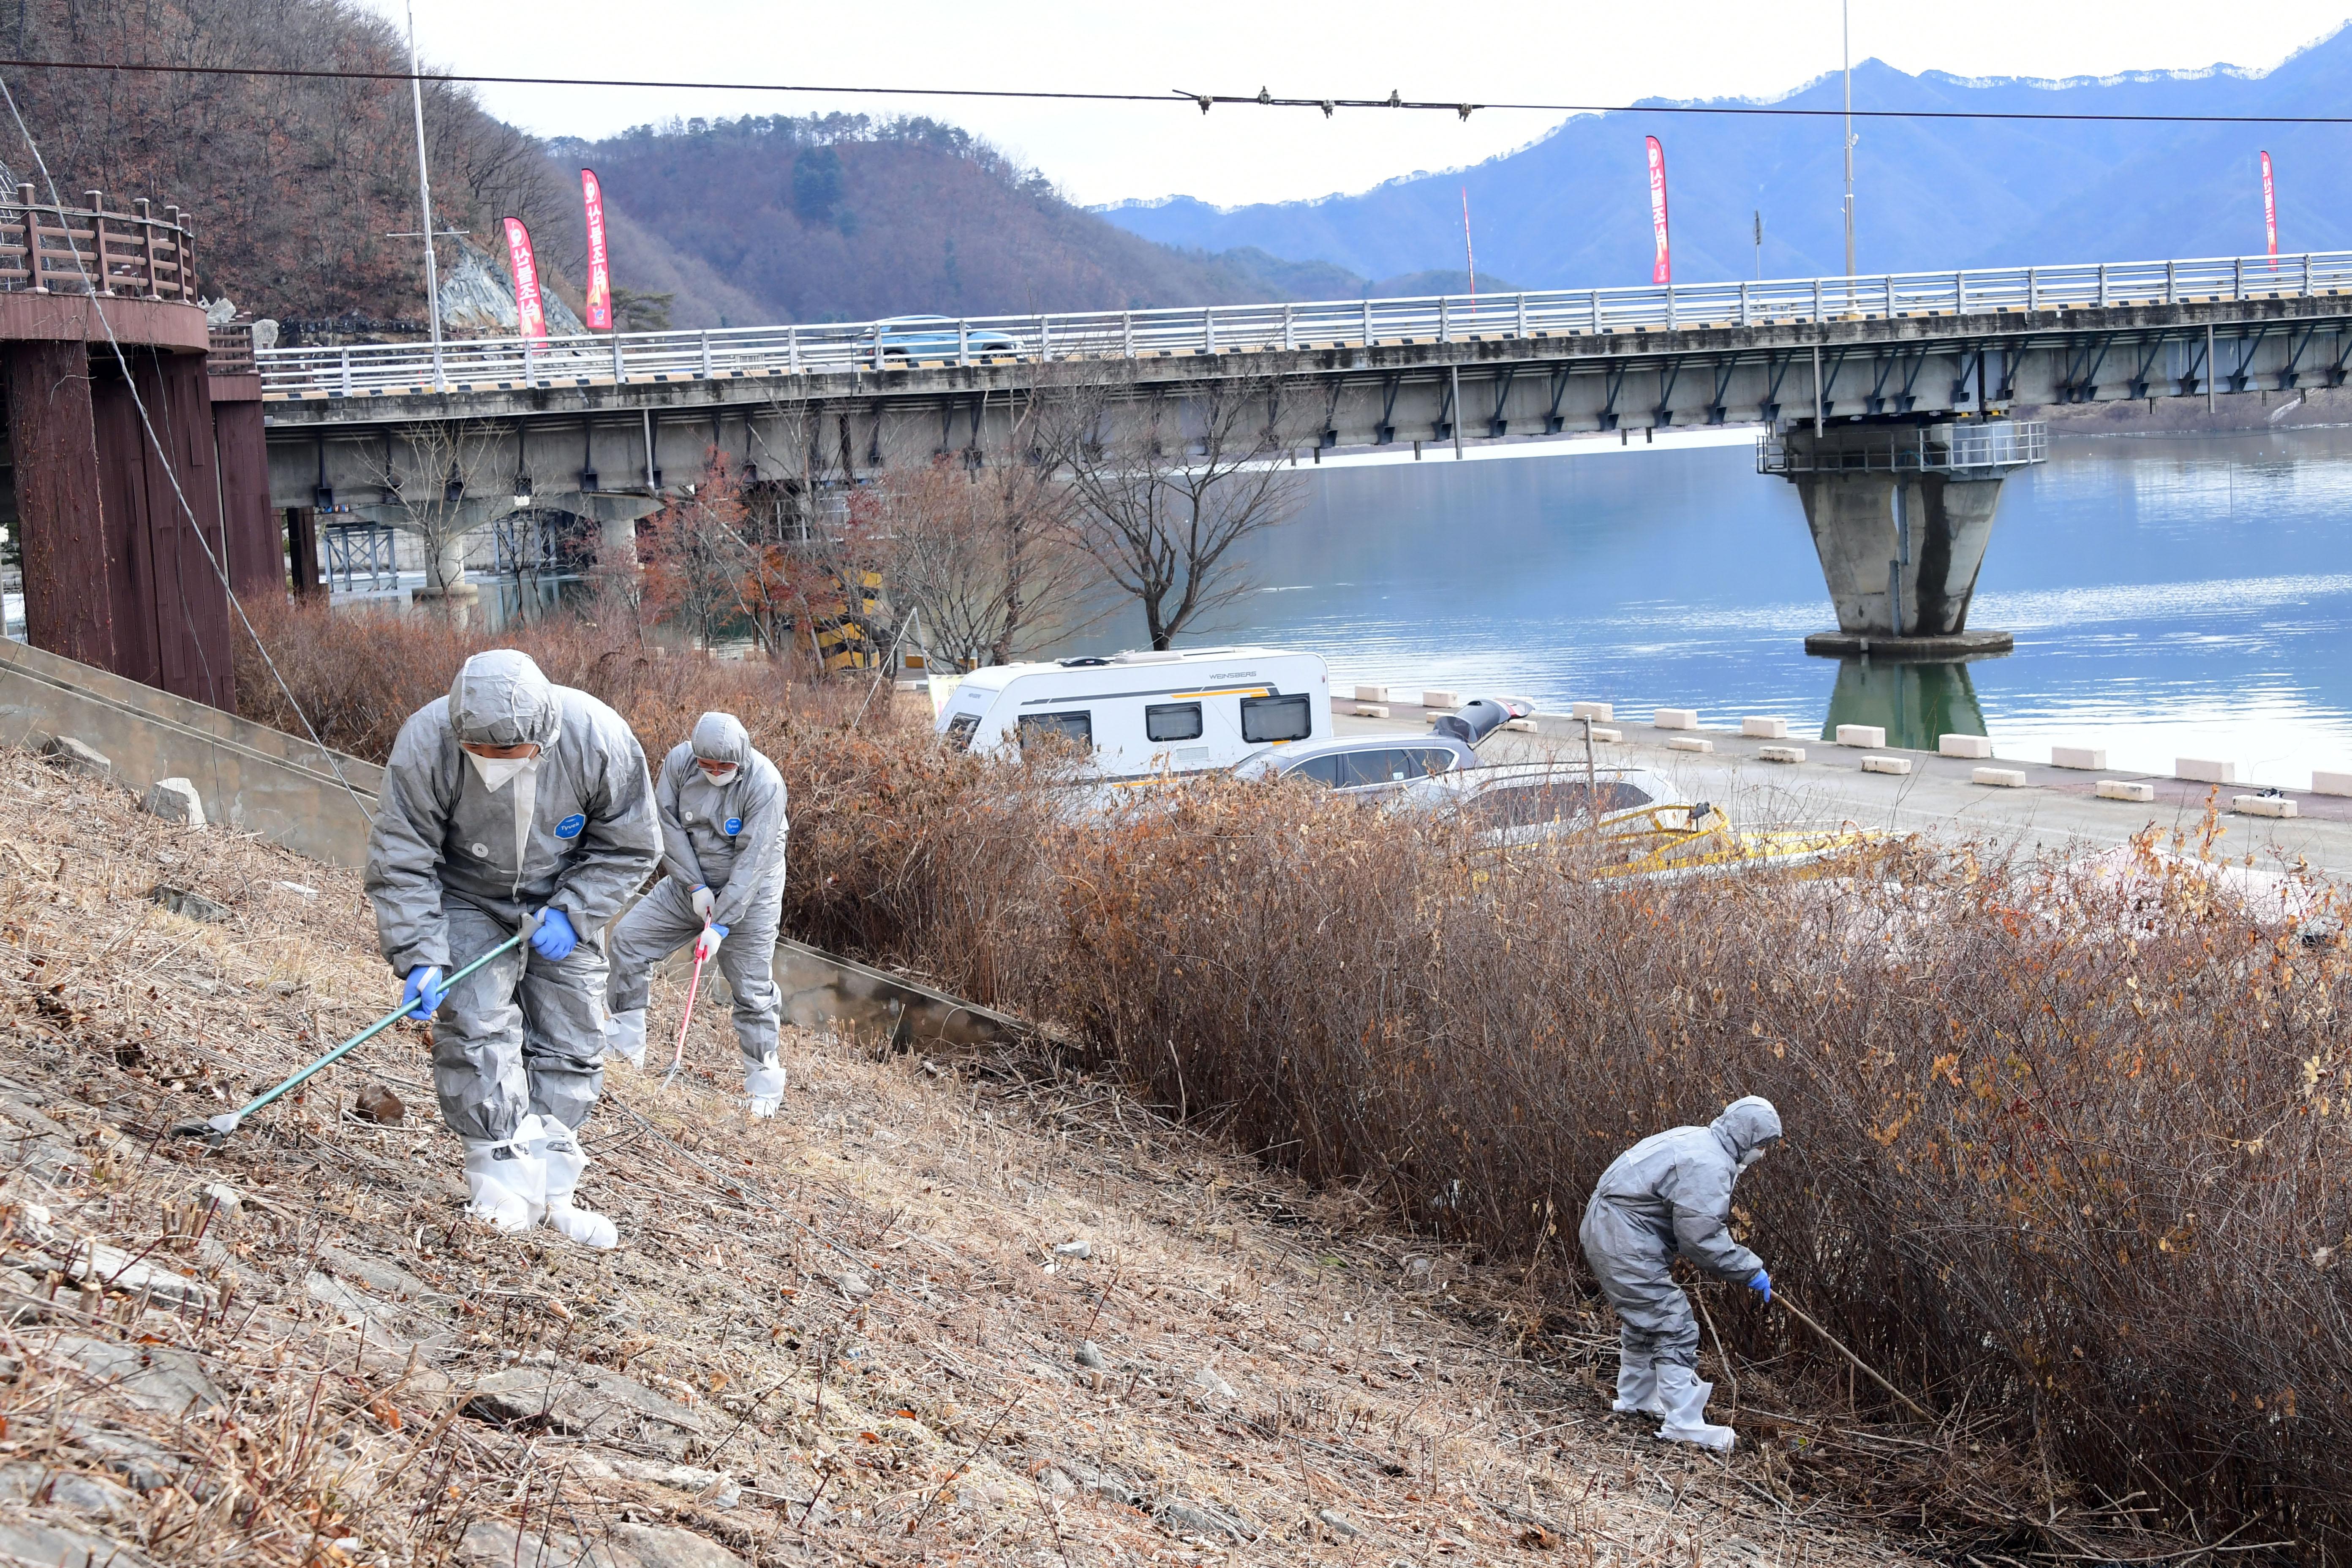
842,217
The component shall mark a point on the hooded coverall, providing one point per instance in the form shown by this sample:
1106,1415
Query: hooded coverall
454,869
728,837
1672,1193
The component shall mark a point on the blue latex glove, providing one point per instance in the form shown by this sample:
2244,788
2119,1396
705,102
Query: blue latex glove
705,946
554,939
424,991
1763,1282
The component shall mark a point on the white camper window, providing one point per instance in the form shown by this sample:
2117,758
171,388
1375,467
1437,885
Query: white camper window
1266,719
960,732
1077,726
1172,722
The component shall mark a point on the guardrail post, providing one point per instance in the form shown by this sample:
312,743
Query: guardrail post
1445,326
1890,297
792,350
1208,328
347,372
2103,284
1289,328
1127,334
618,375
2238,278
1368,324
705,354
1670,307
1743,305
1817,301
2307,272
1523,308
1045,339
1596,310
963,343
2171,283
2033,289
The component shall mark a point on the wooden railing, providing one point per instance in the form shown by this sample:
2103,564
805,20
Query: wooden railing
231,350
50,250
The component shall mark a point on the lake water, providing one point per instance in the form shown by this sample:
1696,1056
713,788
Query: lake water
2173,596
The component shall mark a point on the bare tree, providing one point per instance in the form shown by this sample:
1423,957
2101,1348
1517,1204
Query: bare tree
1167,487
436,484
988,555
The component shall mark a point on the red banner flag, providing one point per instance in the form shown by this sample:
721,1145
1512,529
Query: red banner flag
530,312
600,277
1662,267
2270,207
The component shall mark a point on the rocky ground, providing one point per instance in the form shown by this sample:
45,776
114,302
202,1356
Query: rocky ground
940,1311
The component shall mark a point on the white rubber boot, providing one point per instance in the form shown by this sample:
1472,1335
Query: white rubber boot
507,1183
764,1085
1684,1397
1637,1386
625,1036
559,1147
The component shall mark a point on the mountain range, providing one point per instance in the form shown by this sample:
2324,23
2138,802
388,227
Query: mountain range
1572,209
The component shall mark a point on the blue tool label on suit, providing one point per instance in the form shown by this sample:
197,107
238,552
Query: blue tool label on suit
734,825
571,826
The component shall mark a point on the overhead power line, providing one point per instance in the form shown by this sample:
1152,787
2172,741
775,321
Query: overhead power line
1203,101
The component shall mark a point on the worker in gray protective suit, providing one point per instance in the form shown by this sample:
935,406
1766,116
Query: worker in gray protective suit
723,827
512,804
1671,1193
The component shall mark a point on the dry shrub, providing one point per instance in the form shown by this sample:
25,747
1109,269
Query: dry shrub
2065,1152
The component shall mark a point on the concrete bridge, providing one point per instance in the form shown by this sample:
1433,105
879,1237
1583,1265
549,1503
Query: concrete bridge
1885,398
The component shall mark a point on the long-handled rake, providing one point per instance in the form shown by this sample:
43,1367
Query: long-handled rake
216,1130
693,989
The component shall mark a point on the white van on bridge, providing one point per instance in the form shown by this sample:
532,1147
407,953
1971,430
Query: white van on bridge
1145,714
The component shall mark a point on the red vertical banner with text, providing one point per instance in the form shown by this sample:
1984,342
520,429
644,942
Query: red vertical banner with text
600,277
2270,207
1662,266
529,309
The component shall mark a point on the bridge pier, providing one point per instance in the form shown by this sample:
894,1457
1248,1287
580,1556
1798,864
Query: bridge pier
1901,514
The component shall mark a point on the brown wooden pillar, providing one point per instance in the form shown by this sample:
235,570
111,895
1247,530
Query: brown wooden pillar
302,550
257,558
67,562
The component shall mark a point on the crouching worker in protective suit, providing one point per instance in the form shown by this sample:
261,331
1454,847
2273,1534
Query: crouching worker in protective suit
722,826
1672,1193
512,804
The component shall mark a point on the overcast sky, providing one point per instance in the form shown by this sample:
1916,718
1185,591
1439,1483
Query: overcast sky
1553,53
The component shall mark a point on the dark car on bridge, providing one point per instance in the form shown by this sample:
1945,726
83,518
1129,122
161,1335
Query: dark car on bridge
912,339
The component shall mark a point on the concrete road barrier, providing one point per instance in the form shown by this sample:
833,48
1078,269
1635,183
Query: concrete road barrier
1781,753
2089,759
1884,764
2331,783
2125,789
1371,694
1869,736
2204,770
2262,806
1599,712
1964,746
1435,698
1765,729
1675,719
1690,743
1998,778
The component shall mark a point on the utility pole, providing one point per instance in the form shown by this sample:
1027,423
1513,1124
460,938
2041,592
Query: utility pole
425,199
1845,47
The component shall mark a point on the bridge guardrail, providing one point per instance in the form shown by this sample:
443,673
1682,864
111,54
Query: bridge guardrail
747,352
1962,449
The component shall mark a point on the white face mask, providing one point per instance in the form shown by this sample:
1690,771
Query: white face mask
496,771
725,775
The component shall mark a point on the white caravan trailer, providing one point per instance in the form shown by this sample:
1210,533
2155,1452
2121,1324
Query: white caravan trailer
1147,715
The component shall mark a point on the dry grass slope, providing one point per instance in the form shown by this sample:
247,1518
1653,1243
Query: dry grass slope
848,1335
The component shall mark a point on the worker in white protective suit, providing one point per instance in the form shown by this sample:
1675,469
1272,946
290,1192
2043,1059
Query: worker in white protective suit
512,801
1671,1193
723,827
